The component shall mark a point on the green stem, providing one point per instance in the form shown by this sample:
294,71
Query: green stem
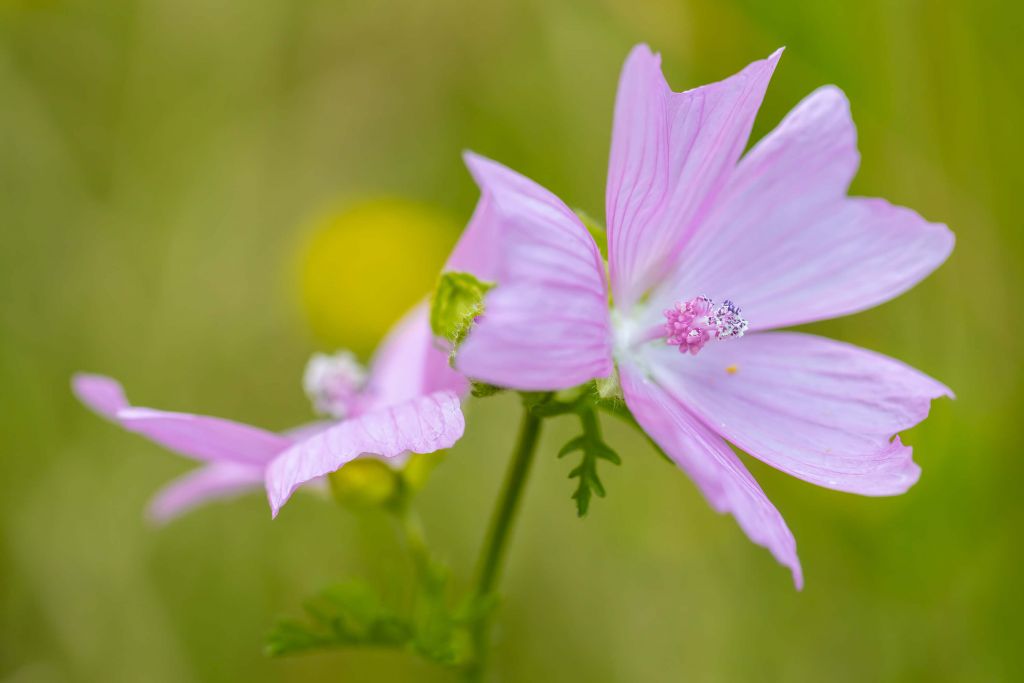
410,532
496,541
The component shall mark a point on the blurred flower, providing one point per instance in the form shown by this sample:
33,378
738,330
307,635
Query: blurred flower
392,247
692,229
407,402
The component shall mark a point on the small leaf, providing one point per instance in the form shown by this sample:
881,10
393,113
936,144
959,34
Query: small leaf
343,615
439,636
593,449
457,300
576,444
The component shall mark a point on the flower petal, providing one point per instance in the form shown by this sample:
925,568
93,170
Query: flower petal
671,154
409,363
104,395
421,425
821,410
195,436
786,244
211,482
711,464
545,324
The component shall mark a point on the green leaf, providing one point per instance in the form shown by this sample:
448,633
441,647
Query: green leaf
457,300
593,448
345,615
439,635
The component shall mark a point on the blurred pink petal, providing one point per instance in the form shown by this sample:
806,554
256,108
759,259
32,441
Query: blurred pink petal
545,324
409,363
712,465
818,409
214,481
421,425
205,438
784,241
671,154
103,395
195,436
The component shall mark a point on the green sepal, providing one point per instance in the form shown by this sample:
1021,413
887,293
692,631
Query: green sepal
483,389
457,300
596,230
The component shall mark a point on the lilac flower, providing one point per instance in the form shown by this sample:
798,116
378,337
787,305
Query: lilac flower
694,234
408,402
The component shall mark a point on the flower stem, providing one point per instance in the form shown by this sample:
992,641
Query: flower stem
410,533
493,552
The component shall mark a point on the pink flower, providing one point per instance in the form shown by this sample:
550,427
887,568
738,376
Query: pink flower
407,402
707,253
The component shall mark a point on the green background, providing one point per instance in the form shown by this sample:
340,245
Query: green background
161,165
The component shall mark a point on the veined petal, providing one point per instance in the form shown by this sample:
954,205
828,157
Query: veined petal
195,436
211,482
711,464
409,363
785,242
671,154
546,323
421,425
818,409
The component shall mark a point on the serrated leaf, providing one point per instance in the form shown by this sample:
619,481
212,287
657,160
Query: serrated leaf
593,448
575,444
344,615
440,636
457,300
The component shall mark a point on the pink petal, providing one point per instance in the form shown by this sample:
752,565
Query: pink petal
409,363
709,462
215,481
671,154
103,395
421,425
477,250
786,244
204,438
195,436
823,411
546,323
308,429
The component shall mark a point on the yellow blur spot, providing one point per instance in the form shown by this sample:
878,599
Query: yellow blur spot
732,369
366,264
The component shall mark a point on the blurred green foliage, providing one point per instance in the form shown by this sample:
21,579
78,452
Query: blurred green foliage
160,165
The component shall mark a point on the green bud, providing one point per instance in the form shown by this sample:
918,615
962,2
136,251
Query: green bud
365,483
458,299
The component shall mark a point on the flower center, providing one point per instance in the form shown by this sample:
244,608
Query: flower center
692,324
334,383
